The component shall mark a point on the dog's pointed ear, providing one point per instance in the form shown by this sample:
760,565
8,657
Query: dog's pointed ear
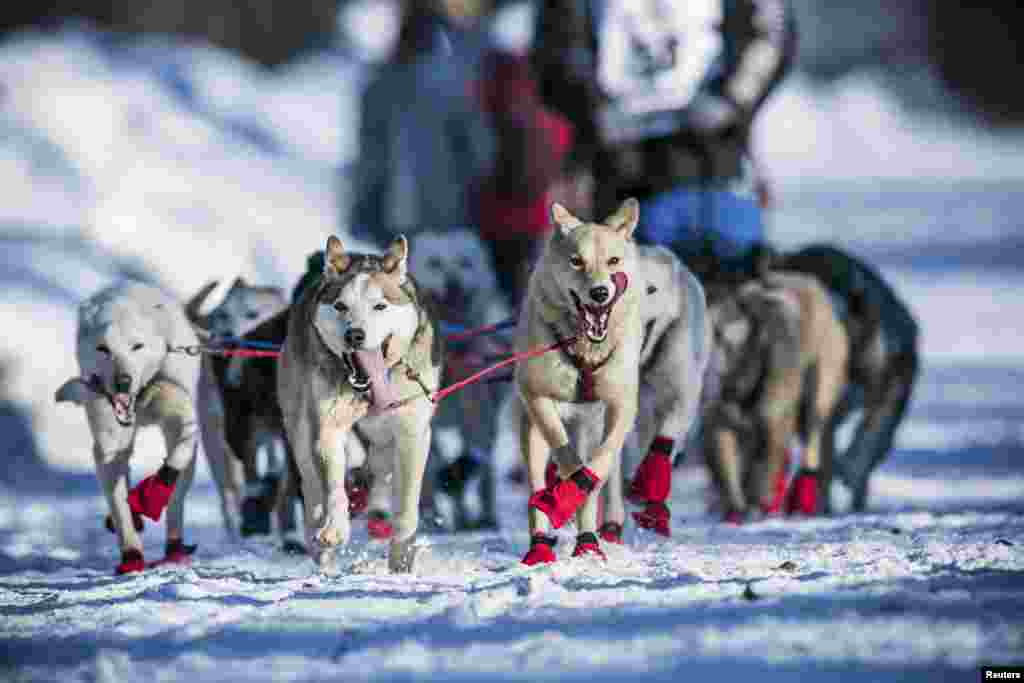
197,301
336,261
564,219
239,282
625,218
396,261
75,390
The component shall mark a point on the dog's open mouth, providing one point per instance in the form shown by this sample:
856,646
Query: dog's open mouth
124,408
593,318
368,366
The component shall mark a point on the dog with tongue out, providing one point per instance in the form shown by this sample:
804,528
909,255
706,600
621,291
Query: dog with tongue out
132,376
580,401
362,353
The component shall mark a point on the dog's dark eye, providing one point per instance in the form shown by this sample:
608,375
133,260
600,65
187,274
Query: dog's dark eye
614,261
576,262
340,307
104,349
380,307
136,347
434,262
252,315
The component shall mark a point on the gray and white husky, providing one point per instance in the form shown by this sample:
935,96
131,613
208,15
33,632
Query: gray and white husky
360,340
455,268
133,373
246,456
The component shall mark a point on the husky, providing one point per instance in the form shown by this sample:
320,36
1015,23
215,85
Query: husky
454,267
674,354
778,370
579,400
362,353
247,456
131,345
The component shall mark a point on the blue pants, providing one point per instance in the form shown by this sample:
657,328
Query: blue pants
686,219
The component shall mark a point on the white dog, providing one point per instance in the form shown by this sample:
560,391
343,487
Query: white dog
454,267
134,372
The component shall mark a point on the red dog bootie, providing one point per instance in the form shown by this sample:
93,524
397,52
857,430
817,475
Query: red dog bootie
587,544
379,525
136,522
778,494
176,552
151,495
131,561
653,480
803,496
560,502
611,532
542,550
655,517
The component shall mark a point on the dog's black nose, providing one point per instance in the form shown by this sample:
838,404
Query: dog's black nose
599,294
122,383
355,337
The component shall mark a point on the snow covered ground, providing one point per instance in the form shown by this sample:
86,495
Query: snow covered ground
182,164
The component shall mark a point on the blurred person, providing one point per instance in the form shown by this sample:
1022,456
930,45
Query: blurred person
664,93
532,144
422,140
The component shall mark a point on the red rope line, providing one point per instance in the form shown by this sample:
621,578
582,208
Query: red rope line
438,395
514,358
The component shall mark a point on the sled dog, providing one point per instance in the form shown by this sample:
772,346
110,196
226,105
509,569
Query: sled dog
245,458
779,368
580,399
455,268
129,345
361,340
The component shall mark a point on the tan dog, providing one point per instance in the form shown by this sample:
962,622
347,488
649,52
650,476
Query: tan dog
360,338
580,401
779,366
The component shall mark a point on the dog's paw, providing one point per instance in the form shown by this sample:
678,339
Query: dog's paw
333,532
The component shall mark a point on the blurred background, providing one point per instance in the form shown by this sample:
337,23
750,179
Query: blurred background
187,140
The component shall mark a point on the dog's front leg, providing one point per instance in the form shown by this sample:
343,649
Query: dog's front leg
300,424
330,454
411,449
620,416
723,459
112,469
536,454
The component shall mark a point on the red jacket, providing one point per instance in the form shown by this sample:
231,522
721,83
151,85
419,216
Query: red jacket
532,145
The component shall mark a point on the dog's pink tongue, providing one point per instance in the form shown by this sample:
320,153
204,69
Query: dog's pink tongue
371,363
